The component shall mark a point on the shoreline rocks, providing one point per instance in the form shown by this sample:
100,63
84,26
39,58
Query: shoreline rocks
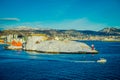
55,46
13,47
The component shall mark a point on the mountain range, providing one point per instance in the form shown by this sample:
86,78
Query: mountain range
72,32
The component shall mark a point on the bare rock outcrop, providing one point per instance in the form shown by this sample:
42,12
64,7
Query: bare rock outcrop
58,46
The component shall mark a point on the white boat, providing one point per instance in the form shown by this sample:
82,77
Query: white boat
102,60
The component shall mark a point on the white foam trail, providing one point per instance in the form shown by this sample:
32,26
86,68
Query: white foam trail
84,61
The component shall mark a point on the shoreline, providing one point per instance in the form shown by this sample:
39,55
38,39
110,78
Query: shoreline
52,52
54,47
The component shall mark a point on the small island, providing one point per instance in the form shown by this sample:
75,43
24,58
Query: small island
41,43
56,46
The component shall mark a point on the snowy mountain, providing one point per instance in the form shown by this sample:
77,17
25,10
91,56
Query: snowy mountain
110,30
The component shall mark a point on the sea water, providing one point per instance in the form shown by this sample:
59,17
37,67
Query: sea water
23,65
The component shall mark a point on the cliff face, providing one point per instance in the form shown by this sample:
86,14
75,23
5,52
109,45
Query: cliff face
57,46
32,42
62,46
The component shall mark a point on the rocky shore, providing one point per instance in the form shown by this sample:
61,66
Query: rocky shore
55,46
45,44
13,47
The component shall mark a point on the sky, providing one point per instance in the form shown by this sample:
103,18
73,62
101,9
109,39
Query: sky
60,14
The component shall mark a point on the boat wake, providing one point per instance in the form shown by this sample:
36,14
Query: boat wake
84,61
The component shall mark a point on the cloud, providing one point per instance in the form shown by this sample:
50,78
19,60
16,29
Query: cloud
24,24
9,19
79,24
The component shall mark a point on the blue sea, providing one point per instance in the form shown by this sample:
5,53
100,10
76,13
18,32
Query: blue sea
23,65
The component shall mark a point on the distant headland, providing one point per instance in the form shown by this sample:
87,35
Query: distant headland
106,34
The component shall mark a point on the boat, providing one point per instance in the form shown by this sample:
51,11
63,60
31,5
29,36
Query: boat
102,60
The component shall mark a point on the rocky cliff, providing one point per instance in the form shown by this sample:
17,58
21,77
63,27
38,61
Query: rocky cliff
55,46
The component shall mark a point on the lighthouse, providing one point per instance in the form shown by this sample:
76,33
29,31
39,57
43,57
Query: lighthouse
92,46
